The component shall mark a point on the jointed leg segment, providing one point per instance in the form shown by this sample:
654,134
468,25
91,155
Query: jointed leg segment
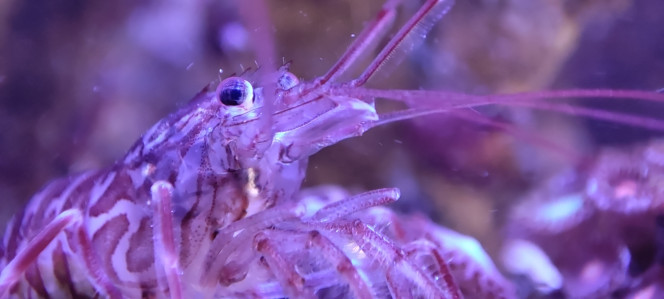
325,237
26,257
165,249
68,220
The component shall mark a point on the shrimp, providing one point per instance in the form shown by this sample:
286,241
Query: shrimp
156,220
207,202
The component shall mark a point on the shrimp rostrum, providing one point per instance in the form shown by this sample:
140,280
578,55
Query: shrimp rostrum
208,203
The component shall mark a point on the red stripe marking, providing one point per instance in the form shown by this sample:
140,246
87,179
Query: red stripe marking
61,271
105,241
120,188
140,255
34,278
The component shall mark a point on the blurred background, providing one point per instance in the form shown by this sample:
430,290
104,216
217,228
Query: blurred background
81,80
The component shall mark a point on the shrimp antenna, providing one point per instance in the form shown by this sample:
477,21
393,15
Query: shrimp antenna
368,37
528,135
410,36
426,102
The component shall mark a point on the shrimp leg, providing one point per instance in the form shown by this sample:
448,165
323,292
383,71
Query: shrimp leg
165,253
419,250
284,270
393,260
93,263
263,241
272,248
69,219
357,203
24,258
342,264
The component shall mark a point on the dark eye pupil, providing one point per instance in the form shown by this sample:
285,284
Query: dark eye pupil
235,91
232,95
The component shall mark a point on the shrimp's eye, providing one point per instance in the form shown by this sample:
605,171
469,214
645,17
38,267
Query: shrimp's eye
235,91
287,81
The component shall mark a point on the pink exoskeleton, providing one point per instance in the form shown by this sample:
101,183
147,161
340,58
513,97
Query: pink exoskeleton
207,203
